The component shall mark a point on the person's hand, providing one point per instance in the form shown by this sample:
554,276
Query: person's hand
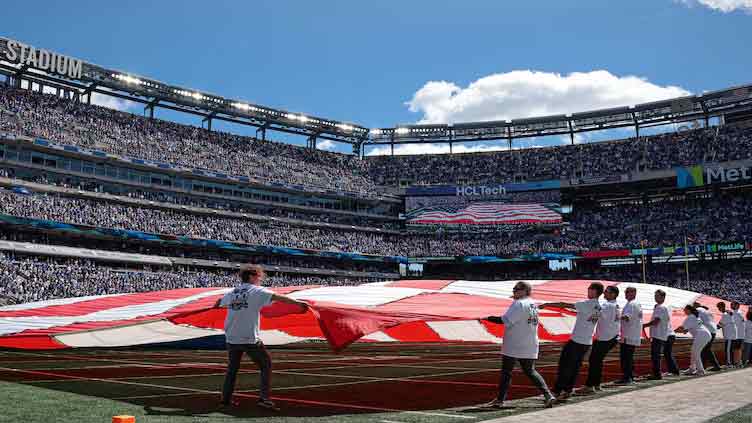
303,306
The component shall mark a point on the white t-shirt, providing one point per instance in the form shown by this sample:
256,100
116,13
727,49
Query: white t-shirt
694,325
607,327
739,323
707,320
661,330
243,305
521,330
728,325
748,331
631,330
588,313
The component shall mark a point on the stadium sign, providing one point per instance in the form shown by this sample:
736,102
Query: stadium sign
24,54
481,191
696,176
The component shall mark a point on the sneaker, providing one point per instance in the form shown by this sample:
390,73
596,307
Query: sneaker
496,403
267,404
549,402
690,372
622,382
598,388
587,390
563,396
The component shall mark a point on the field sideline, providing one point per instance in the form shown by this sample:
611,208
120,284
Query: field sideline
366,383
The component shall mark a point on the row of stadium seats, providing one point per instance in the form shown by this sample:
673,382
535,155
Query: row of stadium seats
664,223
613,158
34,279
61,120
191,203
93,127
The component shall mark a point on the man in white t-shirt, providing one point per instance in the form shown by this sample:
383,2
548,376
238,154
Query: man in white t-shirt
606,337
709,322
736,346
570,360
631,333
662,337
520,343
242,331
728,325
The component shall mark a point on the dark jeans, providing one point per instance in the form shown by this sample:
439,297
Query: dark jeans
658,347
259,355
708,355
595,366
570,362
528,367
626,356
747,353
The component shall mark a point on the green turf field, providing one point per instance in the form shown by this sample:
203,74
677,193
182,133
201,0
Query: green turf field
366,383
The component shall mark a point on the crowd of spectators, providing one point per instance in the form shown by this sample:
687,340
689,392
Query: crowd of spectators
664,223
31,279
599,159
61,120
68,122
174,198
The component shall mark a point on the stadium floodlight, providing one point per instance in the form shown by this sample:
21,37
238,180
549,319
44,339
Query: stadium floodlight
345,127
127,79
402,131
241,106
375,132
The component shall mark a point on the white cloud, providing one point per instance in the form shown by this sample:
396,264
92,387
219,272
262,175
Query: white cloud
725,6
525,93
327,145
112,102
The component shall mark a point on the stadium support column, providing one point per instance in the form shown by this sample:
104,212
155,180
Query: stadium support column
88,91
571,131
636,126
509,137
705,113
208,119
312,141
150,107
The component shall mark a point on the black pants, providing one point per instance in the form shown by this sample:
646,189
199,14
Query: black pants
595,363
626,356
528,367
259,355
708,355
658,347
570,362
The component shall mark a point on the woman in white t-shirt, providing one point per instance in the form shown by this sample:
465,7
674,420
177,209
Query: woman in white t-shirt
747,356
700,335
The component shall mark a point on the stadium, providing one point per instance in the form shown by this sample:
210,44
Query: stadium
123,232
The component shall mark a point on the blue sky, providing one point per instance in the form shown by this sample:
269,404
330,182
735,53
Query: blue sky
373,63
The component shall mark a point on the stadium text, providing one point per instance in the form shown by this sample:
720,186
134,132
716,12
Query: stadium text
713,175
482,190
43,59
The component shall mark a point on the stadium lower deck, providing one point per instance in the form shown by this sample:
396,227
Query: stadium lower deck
367,382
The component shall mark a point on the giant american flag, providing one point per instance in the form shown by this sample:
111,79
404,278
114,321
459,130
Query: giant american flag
484,214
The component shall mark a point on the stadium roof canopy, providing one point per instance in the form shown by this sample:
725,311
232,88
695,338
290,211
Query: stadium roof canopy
24,62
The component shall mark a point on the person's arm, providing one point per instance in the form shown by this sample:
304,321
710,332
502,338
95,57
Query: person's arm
557,305
680,329
218,304
288,300
655,321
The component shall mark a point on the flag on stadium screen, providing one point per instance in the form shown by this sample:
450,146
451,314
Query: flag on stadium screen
485,214
395,311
